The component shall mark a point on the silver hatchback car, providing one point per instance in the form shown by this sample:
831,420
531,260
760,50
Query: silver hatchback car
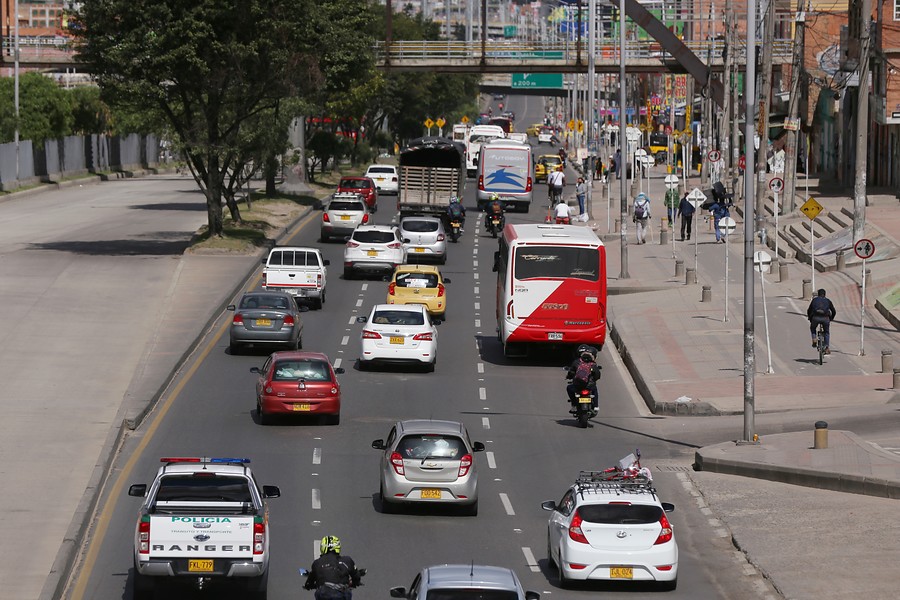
424,239
428,461
463,582
344,212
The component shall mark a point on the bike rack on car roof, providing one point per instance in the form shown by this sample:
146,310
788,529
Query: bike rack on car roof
616,481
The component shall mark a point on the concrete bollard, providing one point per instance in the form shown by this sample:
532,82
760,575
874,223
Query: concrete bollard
706,294
841,262
897,379
807,289
616,227
690,276
782,272
887,361
663,237
679,268
820,437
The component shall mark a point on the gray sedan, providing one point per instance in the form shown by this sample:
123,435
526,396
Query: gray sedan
265,318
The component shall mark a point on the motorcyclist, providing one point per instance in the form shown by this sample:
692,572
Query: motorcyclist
495,208
821,310
332,575
456,212
587,360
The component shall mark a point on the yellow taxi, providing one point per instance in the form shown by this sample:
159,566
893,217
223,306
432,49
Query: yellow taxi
544,165
419,284
535,129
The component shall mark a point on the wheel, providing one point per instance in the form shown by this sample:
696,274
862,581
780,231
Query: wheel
549,553
142,587
348,273
318,302
582,417
258,587
333,419
443,260
264,419
668,586
234,349
387,508
299,342
564,582
470,510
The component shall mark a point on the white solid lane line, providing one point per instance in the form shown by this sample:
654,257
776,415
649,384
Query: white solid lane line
316,499
530,560
507,505
317,456
492,463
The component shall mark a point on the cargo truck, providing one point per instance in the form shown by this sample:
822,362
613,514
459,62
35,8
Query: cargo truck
432,170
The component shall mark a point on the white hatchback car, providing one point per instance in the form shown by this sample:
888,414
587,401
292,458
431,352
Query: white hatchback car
342,215
373,249
612,528
386,178
398,333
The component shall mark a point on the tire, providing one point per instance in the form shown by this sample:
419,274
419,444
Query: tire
234,349
550,559
470,510
142,586
299,342
582,418
318,302
264,419
333,419
348,274
564,582
258,587
668,586
387,508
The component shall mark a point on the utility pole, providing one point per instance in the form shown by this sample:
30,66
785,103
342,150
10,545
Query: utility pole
765,94
862,122
728,111
797,73
749,298
623,144
735,117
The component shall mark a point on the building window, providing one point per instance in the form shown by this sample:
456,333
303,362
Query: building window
897,10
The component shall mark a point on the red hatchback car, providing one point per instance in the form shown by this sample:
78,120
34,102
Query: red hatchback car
298,383
364,186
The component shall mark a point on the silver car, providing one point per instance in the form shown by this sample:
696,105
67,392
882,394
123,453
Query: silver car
464,582
424,239
344,212
428,461
265,318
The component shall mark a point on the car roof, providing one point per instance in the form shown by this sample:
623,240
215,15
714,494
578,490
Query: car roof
266,293
298,355
180,468
348,196
352,179
429,425
484,576
554,156
371,227
419,218
404,307
417,269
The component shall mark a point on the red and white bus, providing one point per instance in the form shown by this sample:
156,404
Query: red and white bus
551,287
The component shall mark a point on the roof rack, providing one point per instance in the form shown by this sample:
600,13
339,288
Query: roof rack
614,481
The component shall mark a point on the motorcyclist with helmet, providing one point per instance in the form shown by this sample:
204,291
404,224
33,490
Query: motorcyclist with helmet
333,575
495,208
456,212
587,360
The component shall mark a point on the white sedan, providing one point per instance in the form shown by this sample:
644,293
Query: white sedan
398,333
386,179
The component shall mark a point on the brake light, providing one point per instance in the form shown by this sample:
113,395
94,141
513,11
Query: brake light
259,535
441,237
575,533
481,182
371,335
264,280
288,321
528,185
423,337
352,244
319,279
144,535
665,533
394,179
325,217
440,290
465,463
365,218
394,245
237,320
391,288
397,463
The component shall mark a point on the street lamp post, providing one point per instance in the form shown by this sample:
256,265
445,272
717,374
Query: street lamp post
749,209
16,83
623,169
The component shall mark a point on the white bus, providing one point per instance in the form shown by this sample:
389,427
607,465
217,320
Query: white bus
505,168
478,135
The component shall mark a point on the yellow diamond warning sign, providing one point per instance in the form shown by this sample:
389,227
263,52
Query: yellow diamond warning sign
429,123
811,209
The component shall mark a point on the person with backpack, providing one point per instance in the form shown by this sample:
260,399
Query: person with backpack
584,373
821,311
719,211
641,216
686,210
332,575
456,212
556,180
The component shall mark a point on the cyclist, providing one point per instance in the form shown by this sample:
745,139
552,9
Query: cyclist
332,574
821,311
556,180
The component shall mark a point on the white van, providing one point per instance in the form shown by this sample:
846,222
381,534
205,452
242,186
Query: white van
460,133
505,168
478,135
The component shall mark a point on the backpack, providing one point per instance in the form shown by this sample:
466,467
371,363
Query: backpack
583,371
820,307
455,210
640,211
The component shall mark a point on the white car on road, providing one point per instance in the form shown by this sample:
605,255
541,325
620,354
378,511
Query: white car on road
373,249
398,333
386,179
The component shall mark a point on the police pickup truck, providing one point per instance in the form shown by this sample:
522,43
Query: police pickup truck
300,272
202,519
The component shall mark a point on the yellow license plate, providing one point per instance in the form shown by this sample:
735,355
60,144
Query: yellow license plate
397,339
264,322
200,566
431,494
345,217
419,249
621,572
302,406
372,252
584,399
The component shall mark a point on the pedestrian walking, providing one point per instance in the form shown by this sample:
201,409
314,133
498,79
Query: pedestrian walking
671,201
618,163
719,211
580,193
641,216
686,210
598,169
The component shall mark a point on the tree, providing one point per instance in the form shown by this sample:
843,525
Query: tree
45,110
211,68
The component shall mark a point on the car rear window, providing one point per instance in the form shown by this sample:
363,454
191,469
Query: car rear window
381,170
191,488
417,280
264,301
431,446
471,594
374,237
293,258
346,205
620,514
398,317
417,226
294,370
356,184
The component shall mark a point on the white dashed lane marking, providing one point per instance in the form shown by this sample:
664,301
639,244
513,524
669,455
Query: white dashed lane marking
477,323
317,456
344,340
359,303
351,321
475,276
337,363
492,463
365,286
482,394
316,499
478,306
481,367
507,505
475,289
485,422
530,560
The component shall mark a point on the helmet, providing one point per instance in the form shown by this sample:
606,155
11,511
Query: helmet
587,352
454,199
330,543
495,197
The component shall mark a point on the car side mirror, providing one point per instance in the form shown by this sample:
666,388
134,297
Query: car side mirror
398,592
326,262
361,319
532,596
346,239
668,506
255,370
271,491
478,447
138,489
265,259
339,370
446,280
230,307
405,240
378,444
548,505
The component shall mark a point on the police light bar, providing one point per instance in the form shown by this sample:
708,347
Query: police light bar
204,459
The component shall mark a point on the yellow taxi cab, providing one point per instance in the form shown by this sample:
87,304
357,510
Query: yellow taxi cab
533,130
419,284
544,165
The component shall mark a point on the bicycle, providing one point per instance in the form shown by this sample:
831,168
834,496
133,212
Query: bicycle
820,341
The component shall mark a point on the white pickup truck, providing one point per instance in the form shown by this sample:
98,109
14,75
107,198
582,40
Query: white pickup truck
202,519
298,271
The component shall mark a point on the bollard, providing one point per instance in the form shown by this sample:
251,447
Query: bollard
664,223
663,237
807,289
887,361
820,438
782,272
616,229
869,279
690,276
841,262
679,268
897,379
706,294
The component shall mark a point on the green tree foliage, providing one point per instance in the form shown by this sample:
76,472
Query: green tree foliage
45,110
89,113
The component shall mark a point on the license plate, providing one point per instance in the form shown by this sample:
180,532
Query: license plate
397,339
301,406
431,494
495,221
621,572
419,249
345,217
372,252
264,322
201,566
584,399
555,335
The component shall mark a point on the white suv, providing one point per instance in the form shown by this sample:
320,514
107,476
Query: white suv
385,177
373,249
610,527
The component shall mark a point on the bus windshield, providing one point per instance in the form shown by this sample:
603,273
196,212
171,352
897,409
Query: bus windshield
557,262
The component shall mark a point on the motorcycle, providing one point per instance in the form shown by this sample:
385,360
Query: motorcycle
583,406
362,573
495,224
455,228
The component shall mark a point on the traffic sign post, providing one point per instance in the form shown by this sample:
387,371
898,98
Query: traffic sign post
864,249
697,198
726,226
776,185
671,182
761,262
639,155
429,124
440,123
811,209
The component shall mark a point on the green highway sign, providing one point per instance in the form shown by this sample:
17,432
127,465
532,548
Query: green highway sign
509,31
537,80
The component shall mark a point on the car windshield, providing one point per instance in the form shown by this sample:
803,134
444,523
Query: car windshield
535,262
191,488
294,370
416,280
381,170
418,226
398,317
374,237
356,184
268,301
551,160
620,514
431,446
482,138
471,594
345,205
